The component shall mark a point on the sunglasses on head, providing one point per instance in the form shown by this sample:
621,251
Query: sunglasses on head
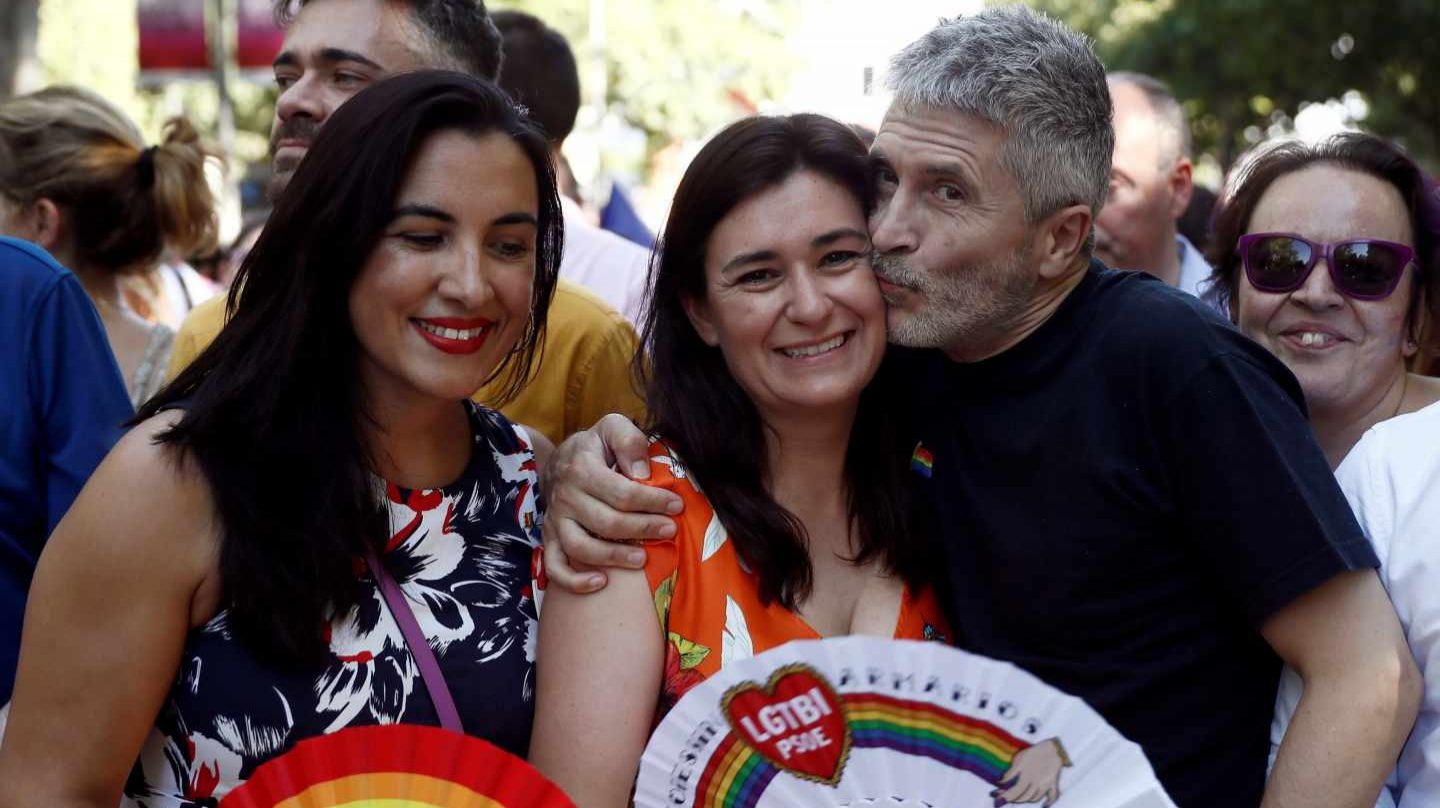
1362,268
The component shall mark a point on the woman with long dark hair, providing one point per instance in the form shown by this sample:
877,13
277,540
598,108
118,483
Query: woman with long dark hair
766,331
237,575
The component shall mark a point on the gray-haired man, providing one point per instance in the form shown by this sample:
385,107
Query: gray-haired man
1129,498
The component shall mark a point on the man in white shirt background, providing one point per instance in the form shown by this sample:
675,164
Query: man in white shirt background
539,71
1150,186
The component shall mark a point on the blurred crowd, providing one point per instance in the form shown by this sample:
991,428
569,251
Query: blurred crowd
999,373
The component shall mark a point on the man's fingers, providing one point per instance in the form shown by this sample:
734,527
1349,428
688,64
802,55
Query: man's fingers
623,494
626,444
604,496
1018,791
561,574
583,550
619,512
581,478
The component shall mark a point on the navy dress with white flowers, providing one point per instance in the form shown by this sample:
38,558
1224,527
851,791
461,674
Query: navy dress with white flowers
462,556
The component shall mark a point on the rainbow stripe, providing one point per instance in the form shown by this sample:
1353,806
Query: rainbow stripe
922,462
736,775
389,790
396,766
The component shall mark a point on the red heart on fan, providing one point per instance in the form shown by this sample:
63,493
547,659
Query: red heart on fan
795,721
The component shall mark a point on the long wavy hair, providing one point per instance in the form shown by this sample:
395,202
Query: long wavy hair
275,414
699,409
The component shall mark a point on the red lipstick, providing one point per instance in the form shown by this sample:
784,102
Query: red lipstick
454,335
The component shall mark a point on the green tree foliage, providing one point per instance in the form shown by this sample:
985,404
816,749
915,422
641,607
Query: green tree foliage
679,68
1243,63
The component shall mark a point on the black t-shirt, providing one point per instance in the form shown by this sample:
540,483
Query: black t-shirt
1123,498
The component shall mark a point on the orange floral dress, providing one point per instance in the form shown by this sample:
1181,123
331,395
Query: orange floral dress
708,602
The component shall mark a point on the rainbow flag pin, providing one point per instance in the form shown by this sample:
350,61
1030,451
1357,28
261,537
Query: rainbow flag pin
922,462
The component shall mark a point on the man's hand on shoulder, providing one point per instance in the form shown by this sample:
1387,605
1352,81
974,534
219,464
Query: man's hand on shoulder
589,498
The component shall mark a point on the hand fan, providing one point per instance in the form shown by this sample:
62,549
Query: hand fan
396,766
861,721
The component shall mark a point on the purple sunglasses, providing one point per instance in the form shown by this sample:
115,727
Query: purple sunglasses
1362,268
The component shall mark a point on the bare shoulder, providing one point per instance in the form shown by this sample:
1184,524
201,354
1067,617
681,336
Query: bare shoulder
540,445
147,472
147,512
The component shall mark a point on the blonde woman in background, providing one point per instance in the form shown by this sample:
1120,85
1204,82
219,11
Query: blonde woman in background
77,179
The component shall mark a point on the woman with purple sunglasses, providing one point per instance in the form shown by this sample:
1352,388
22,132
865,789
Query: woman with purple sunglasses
1329,255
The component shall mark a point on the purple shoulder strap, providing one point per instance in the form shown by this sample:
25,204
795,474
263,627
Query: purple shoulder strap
419,646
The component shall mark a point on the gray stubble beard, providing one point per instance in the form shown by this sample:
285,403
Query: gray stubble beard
962,306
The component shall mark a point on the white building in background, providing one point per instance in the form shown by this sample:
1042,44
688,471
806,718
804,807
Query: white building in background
846,46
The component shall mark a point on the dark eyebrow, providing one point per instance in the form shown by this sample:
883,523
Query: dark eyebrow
518,217
432,212
947,169
749,258
835,235
770,255
422,210
332,55
328,56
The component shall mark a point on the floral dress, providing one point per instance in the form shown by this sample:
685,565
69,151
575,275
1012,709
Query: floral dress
461,555
709,604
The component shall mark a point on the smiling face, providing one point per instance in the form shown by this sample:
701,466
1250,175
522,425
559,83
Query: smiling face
949,230
1346,352
334,49
790,299
445,294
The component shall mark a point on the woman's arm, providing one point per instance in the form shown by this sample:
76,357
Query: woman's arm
125,575
600,661
540,445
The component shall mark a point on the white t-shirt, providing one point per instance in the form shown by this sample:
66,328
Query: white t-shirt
604,263
1392,479
1194,271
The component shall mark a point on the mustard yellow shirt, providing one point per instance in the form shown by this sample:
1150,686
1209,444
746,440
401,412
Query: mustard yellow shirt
583,374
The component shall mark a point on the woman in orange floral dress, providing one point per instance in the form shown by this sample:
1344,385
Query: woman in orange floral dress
768,400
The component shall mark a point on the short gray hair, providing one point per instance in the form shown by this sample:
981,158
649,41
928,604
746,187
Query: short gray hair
1036,79
1169,115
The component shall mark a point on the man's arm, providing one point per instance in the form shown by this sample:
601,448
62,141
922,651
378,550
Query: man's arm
1362,690
588,498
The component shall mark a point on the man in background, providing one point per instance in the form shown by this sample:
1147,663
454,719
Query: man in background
333,49
540,74
1150,186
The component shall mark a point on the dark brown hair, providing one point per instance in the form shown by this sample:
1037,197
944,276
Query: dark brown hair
539,72
461,32
275,414
698,408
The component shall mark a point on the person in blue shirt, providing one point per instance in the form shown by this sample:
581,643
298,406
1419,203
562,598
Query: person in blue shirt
62,406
